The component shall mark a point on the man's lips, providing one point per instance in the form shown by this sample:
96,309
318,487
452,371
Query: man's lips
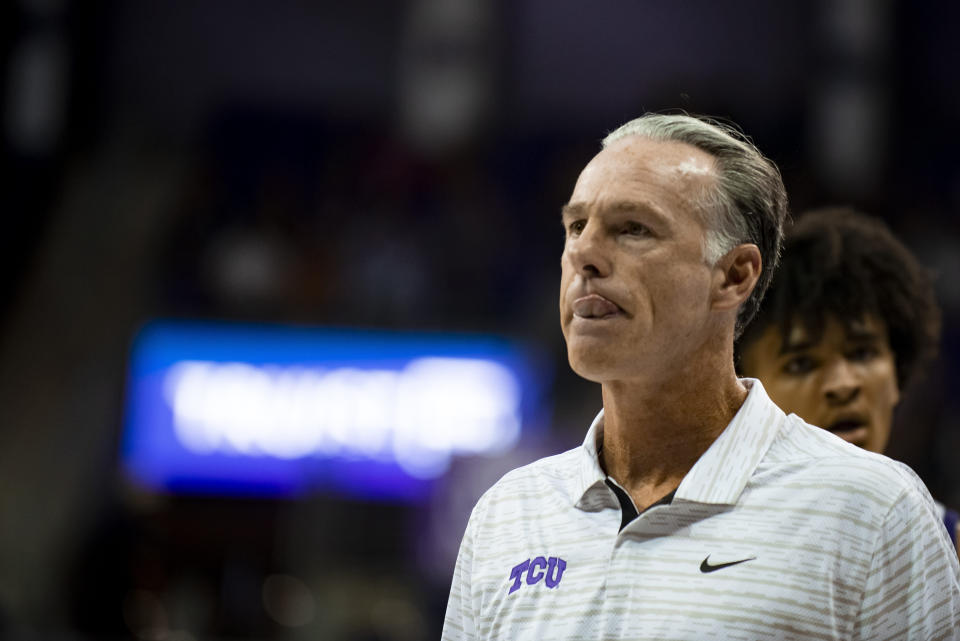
852,430
594,306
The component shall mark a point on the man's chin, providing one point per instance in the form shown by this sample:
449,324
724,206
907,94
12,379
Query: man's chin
592,365
588,375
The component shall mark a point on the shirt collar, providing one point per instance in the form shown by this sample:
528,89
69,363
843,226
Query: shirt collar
591,474
720,474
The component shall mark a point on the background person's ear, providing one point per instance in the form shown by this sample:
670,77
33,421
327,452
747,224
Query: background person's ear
735,276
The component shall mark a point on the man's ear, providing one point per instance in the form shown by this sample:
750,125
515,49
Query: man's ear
735,275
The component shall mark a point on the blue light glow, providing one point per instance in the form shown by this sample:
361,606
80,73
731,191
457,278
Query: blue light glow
278,410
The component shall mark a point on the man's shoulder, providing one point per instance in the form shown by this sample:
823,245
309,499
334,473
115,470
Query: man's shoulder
556,467
824,456
536,480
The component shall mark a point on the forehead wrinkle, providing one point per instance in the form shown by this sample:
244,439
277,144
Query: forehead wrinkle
688,162
689,173
621,206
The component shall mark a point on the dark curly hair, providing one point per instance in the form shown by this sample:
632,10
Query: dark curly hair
841,263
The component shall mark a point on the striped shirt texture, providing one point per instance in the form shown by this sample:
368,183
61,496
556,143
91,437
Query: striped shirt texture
781,530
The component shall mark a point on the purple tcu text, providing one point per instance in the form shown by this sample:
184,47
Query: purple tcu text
550,570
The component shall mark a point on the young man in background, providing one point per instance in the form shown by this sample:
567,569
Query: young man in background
847,322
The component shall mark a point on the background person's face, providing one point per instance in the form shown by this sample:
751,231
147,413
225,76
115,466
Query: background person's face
634,290
846,382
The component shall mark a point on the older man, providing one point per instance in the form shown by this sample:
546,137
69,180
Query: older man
695,508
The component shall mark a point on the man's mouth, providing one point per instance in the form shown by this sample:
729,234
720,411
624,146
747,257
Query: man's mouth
595,307
852,430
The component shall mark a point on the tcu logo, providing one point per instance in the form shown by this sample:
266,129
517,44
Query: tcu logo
550,570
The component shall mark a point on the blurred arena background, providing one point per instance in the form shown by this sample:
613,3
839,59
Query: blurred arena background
387,169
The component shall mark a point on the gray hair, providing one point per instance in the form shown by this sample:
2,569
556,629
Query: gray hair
749,198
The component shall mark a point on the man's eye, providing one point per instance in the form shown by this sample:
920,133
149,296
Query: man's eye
862,354
635,229
575,227
799,365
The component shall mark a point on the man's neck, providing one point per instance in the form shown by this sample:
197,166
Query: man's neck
654,431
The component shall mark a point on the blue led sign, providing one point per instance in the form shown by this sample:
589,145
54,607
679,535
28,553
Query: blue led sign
224,408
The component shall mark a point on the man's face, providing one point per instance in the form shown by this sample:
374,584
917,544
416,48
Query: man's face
634,289
846,382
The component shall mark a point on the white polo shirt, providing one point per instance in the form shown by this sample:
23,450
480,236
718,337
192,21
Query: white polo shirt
780,530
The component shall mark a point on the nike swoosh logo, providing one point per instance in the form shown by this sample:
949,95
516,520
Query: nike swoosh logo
705,567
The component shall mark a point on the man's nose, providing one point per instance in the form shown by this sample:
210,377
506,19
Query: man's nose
588,252
841,383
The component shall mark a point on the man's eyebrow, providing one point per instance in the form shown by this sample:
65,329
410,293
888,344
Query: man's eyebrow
791,347
628,205
572,209
577,209
861,334
857,334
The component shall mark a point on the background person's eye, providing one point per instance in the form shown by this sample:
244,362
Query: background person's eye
799,365
863,353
